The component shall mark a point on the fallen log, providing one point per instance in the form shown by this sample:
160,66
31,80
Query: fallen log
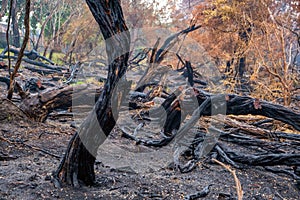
244,105
37,63
38,106
282,171
31,55
289,159
43,71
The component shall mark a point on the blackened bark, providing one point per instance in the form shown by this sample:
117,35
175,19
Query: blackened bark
3,8
242,67
38,107
244,105
78,162
244,36
16,34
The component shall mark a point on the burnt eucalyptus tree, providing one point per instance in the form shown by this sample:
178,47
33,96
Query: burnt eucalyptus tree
78,162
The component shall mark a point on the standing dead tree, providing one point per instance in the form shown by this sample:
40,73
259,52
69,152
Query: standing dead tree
78,162
12,76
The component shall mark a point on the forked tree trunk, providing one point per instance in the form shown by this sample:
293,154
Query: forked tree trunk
78,162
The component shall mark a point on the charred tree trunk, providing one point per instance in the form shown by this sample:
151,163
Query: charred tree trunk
78,162
20,55
244,36
241,67
3,8
16,34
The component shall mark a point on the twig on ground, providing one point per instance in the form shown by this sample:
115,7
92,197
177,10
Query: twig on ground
42,150
30,146
239,189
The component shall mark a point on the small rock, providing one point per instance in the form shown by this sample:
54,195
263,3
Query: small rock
33,177
33,185
73,125
125,169
48,178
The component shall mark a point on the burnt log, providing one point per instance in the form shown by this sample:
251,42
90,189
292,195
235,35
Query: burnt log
54,68
39,106
31,55
244,105
43,71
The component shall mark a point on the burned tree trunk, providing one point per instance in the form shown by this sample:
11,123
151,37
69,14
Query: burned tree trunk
24,44
15,26
78,162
